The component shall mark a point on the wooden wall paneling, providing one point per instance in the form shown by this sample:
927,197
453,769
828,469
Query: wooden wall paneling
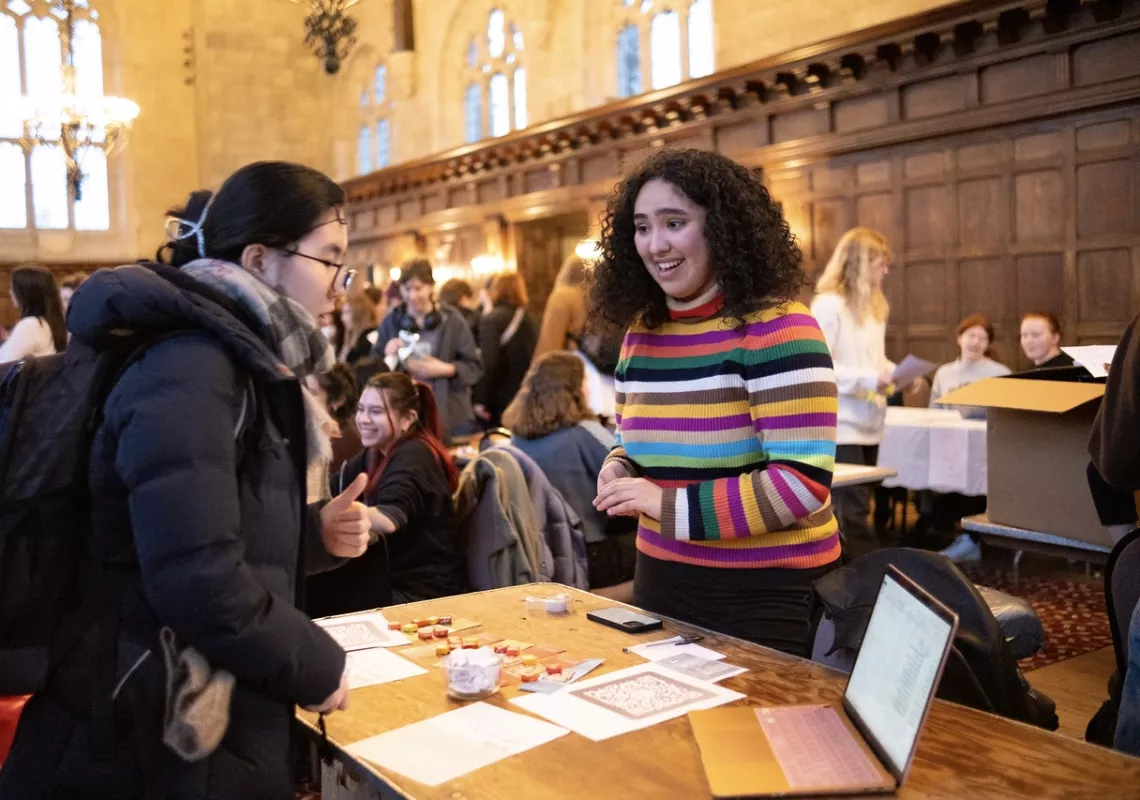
1005,168
831,218
986,286
928,209
1040,279
1067,213
539,252
951,244
1039,202
981,217
1106,60
1104,283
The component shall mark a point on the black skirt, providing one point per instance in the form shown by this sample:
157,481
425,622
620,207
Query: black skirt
766,606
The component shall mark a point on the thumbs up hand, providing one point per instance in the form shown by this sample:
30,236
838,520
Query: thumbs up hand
344,521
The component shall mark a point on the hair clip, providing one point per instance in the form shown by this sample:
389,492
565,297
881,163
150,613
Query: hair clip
184,229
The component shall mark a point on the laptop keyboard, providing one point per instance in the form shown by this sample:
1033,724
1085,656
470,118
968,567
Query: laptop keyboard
815,748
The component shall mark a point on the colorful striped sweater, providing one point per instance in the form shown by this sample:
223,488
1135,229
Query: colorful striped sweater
738,426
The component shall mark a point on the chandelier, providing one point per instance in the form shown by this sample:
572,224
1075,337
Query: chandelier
75,122
329,31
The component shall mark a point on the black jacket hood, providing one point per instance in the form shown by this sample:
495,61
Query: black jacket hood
149,298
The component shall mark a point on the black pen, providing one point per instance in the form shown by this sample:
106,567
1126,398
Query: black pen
677,640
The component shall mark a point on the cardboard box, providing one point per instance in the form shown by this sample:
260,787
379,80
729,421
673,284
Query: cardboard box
1037,435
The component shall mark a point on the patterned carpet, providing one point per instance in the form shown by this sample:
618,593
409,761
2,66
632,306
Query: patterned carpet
1070,607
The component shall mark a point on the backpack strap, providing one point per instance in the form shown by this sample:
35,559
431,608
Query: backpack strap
513,328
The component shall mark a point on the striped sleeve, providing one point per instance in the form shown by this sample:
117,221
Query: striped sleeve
793,403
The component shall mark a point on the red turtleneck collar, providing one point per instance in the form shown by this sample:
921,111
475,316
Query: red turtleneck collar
707,306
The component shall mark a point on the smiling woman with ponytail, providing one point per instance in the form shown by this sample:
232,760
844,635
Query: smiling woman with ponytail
411,479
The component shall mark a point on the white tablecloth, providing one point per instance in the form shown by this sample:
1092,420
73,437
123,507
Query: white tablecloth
933,448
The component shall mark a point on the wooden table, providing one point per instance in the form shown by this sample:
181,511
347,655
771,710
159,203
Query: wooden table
858,474
962,753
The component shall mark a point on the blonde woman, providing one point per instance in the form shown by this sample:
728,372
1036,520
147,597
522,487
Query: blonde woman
852,311
564,328
359,318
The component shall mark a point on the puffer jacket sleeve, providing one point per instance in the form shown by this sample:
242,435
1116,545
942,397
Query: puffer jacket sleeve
176,457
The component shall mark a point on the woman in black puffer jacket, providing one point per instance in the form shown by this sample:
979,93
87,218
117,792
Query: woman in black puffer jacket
198,481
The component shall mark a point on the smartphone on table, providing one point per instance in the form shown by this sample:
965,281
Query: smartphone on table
624,620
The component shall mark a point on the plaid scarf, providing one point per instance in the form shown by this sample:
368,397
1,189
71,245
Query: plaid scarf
289,330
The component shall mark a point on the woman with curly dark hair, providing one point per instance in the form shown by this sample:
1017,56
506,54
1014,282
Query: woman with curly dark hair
726,400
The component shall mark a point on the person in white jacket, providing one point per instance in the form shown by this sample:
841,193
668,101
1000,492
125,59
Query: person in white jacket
41,330
852,311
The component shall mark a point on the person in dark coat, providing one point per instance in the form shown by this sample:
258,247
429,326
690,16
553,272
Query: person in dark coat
1114,447
197,474
458,294
417,553
507,337
433,344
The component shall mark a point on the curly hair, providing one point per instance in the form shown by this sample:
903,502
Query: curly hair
550,397
752,251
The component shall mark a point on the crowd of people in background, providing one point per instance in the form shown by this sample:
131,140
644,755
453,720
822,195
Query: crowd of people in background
699,462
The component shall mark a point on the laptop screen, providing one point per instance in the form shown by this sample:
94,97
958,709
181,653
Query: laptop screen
896,669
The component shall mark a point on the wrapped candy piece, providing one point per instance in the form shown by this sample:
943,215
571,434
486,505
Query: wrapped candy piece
394,626
441,633
411,627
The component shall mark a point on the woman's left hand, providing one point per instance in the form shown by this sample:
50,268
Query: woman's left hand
344,521
628,497
425,368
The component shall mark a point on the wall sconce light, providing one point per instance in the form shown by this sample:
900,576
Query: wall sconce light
589,250
329,31
486,265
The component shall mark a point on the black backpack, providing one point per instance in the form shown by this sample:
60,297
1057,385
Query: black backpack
50,408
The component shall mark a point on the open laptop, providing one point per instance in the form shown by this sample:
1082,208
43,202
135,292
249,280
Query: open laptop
863,745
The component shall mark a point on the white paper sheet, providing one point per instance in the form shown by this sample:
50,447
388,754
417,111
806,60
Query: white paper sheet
361,631
703,669
377,665
910,369
443,748
1093,357
625,701
662,651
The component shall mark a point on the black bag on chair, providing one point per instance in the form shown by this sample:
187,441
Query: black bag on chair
980,672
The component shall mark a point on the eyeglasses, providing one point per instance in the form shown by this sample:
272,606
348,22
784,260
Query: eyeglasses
338,283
